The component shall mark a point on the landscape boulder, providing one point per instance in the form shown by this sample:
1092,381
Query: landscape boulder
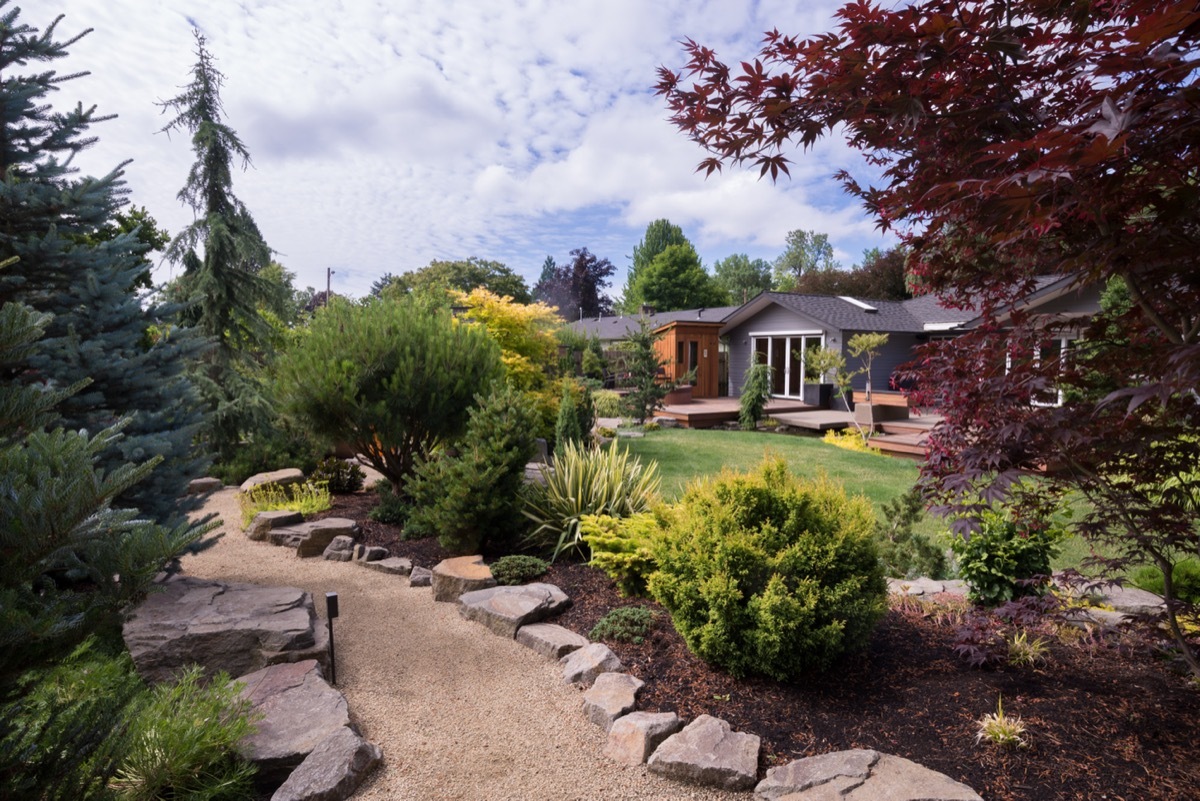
859,775
369,553
453,577
550,640
611,696
339,549
202,486
333,771
420,577
265,522
582,666
925,586
237,628
505,609
297,710
709,752
395,565
312,538
634,737
282,478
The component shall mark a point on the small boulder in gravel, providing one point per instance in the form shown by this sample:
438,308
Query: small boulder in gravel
299,709
265,522
925,586
584,665
453,577
395,565
202,486
550,640
634,737
859,775
709,752
333,771
312,538
506,609
339,549
611,696
291,475
420,577
369,553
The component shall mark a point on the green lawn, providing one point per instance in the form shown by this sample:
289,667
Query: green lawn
685,454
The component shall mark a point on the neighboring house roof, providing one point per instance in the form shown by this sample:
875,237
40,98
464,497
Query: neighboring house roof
608,329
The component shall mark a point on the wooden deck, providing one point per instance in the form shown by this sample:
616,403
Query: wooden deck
708,412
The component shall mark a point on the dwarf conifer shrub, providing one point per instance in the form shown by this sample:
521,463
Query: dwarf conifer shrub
622,548
624,624
340,476
765,573
518,569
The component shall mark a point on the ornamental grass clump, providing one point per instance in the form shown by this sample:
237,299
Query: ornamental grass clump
307,498
766,573
586,481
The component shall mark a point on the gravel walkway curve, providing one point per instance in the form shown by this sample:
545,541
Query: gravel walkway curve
459,712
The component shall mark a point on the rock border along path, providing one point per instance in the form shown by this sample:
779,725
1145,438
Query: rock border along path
486,732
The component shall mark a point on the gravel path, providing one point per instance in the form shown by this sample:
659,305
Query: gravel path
459,712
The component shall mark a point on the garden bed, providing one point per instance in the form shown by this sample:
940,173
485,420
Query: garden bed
1105,720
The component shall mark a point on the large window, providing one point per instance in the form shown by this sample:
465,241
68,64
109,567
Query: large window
786,355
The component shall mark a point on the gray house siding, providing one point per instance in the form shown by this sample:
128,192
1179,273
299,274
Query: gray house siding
769,320
897,351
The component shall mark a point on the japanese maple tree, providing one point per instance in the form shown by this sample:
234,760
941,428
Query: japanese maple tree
1011,140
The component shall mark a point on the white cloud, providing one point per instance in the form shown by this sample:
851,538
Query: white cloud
385,134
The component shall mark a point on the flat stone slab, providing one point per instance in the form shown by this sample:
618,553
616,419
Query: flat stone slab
299,710
237,628
1133,601
550,640
201,486
926,586
420,577
312,538
339,549
291,475
453,577
505,609
333,771
633,738
395,565
611,696
264,522
859,775
709,752
582,666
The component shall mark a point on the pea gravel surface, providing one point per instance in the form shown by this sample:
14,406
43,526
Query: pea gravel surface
459,712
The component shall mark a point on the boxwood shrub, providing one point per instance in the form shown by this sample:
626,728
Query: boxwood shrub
766,573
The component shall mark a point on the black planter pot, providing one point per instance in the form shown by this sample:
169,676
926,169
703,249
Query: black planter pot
818,395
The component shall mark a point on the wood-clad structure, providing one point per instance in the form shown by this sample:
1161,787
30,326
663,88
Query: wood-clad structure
687,345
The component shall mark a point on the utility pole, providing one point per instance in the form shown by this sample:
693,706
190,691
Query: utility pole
328,283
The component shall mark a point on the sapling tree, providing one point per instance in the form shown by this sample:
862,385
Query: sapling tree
1015,139
645,367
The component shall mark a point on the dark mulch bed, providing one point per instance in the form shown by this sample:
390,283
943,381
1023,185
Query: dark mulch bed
1105,720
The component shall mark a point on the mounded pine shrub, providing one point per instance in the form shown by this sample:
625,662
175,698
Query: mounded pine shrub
765,573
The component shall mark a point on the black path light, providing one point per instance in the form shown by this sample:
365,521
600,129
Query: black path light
331,611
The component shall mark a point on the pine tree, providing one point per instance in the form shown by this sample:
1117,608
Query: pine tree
74,266
223,254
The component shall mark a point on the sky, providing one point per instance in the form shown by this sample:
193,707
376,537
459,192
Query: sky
385,134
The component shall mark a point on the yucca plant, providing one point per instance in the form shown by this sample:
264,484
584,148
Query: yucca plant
586,481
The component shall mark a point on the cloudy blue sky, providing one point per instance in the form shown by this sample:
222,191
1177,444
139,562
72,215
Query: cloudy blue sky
388,134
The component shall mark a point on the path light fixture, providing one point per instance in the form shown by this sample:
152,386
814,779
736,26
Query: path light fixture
331,611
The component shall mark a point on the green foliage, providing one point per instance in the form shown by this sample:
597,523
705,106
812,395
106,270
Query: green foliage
675,279
307,498
624,624
904,552
606,403
392,509
1185,578
807,252
1004,559
518,569
586,481
660,234
623,548
340,476
391,379
568,430
262,451
1024,652
997,728
741,277
850,440
754,396
183,743
644,366
764,573
471,499
463,275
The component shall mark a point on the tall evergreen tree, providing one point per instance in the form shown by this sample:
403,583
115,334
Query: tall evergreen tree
223,254
73,265
659,236
677,280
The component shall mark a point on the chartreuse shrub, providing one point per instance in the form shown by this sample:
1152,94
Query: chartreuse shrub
1008,557
470,498
586,481
607,403
518,569
622,548
307,498
771,574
